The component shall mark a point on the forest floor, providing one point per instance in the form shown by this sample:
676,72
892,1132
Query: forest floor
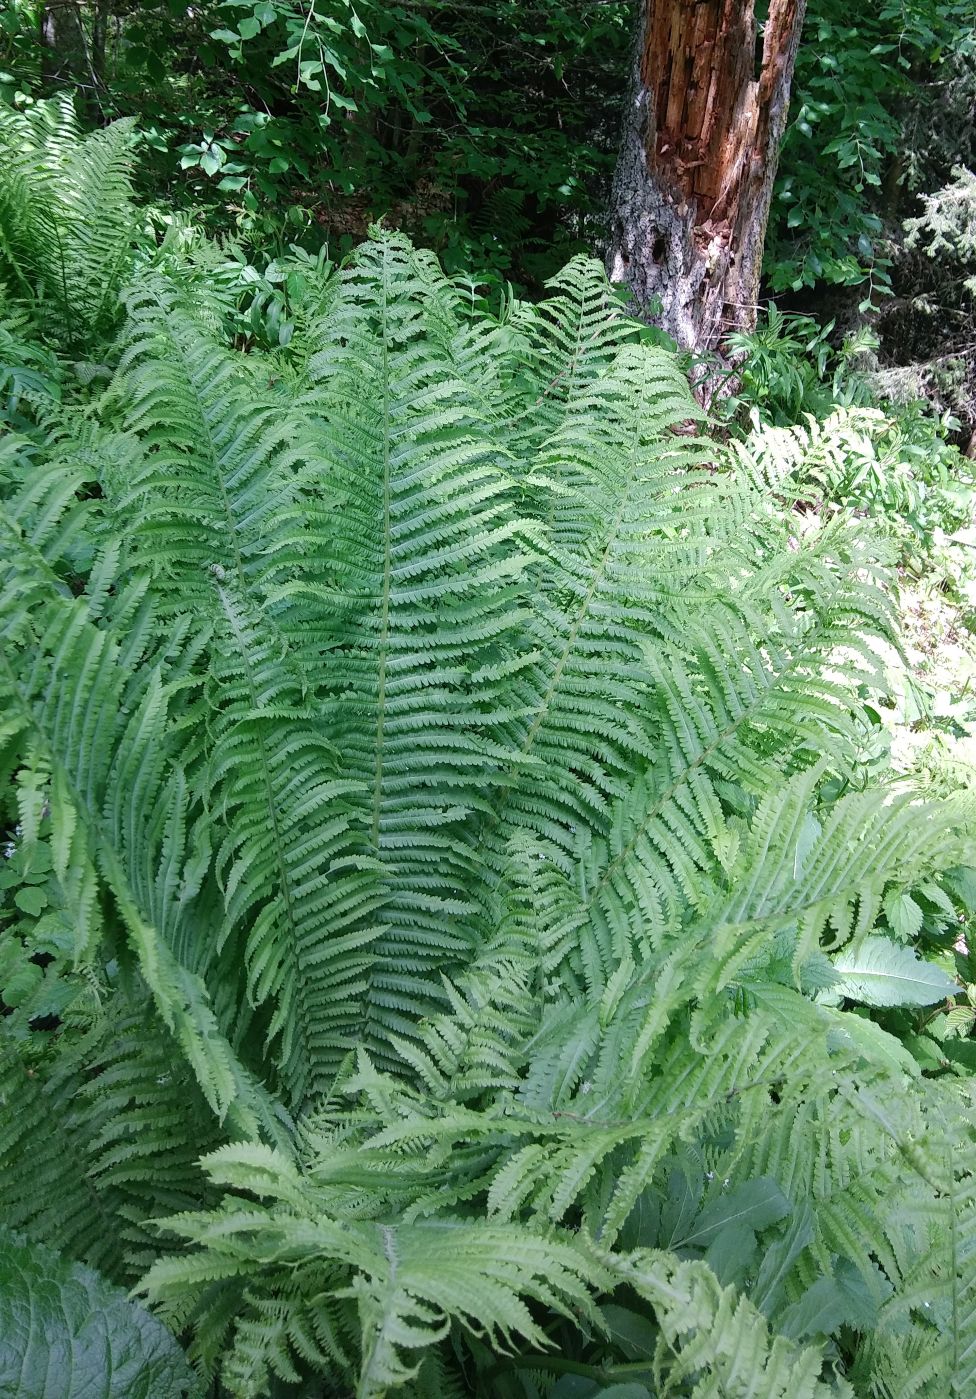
934,721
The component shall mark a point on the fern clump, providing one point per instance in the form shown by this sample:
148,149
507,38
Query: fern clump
450,796
67,220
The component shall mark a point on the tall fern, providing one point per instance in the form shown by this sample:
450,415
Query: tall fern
461,796
67,221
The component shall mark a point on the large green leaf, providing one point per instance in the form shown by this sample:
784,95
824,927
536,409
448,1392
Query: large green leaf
66,1333
880,973
756,1203
845,1299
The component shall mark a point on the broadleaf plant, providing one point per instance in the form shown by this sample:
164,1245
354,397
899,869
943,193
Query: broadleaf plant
66,1334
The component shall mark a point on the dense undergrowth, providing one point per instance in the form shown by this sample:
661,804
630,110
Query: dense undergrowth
463,929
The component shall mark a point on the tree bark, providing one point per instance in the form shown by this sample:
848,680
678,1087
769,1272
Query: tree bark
101,17
702,129
64,49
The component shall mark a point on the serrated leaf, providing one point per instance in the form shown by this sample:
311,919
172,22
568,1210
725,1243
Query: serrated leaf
31,900
66,1333
819,1312
780,1256
880,973
731,1252
926,1051
634,1335
903,914
831,1302
20,983
874,1043
756,1204
959,1021
962,1052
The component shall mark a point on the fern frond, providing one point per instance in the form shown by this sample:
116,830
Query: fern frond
64,678
407,1280
67,221
574,334
926,1337
216,464
715,1342
424,558
294,865
420,721
113,1127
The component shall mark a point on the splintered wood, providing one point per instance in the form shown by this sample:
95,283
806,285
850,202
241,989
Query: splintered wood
712,93
704,119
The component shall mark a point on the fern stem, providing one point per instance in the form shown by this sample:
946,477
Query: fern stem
69,319
282,863
557,1365
213,456
599,569
387,563
958,1344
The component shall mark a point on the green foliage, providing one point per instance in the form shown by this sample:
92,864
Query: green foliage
29,372
280,120
829,417
787,368
488,130
64,1332
892,464
946,228
881,973
446,833
67,224
846,149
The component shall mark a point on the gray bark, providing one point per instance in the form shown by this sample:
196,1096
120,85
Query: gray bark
694,180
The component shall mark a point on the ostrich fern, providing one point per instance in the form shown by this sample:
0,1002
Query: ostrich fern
67,222
448,779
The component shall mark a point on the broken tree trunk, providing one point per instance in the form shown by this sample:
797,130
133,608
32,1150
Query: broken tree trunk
694,181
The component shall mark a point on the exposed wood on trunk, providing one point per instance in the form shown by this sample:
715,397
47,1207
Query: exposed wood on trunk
701,140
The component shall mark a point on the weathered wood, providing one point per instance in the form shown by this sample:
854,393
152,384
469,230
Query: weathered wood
702,129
